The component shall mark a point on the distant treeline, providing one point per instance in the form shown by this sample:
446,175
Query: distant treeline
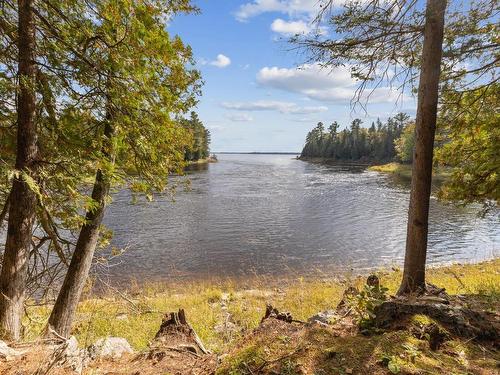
200,147
379,142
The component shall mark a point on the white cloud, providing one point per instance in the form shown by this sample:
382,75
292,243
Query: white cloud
329,85
290,7
269,105
293,8
239,117
290,28
221,61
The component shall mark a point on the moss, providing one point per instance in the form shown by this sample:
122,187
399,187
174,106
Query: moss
421,320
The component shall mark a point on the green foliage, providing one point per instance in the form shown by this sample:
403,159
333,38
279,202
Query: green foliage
100,63
365,302
469,137
391,362
405,144
357,143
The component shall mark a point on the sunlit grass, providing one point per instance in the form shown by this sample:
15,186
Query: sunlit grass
404,170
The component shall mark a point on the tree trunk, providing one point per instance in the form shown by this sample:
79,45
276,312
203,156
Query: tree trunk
418,215
64,310
22,199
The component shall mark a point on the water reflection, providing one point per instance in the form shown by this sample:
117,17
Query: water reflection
265,214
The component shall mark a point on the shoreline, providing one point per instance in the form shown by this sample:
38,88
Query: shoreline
330,161
318,327
336,274
101,315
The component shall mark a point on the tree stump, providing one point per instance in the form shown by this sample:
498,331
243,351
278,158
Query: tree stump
176,332
273,313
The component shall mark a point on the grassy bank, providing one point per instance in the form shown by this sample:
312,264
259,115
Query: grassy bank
136,314
404,170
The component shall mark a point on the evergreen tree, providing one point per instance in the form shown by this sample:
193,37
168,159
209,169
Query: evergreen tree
375,144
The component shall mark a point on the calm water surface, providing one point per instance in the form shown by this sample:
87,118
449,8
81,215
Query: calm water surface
271,214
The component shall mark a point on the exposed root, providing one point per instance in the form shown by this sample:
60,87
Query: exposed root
458,319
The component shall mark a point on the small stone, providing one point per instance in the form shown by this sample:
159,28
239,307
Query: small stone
348,370
113,347
322,317
8,353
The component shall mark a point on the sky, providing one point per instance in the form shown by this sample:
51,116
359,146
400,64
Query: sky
260,94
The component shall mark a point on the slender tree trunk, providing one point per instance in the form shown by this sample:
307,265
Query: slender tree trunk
22,199
418,215
64,310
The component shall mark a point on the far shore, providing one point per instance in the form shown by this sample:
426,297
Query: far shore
333,161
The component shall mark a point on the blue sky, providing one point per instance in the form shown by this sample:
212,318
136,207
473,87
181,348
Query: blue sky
259,95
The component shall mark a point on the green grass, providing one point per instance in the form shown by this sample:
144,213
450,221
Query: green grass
138,316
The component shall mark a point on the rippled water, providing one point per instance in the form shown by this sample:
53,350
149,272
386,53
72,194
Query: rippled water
260,214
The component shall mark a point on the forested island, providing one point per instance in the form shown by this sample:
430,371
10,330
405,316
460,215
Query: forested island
378,143
99,99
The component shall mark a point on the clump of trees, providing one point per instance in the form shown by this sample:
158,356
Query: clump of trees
200,147
357,143
92,95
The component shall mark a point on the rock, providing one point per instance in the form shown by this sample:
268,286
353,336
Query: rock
8,353
112,347
322,317
226,327
66,355
121,316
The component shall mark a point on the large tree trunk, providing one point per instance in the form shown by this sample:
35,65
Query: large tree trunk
64,309
22,199
418,215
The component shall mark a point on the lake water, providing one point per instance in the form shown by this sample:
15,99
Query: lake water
271,214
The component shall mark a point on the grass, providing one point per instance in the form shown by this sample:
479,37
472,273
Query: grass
137,314
404,170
